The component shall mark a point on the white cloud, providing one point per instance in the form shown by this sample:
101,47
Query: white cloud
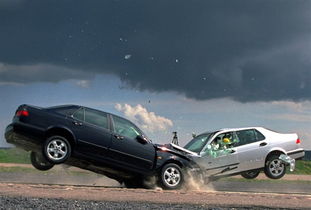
148,121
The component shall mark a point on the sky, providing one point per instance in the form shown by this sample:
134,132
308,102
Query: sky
185,66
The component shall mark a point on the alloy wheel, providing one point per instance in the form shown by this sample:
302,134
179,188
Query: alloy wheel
57,149
172,176
276,167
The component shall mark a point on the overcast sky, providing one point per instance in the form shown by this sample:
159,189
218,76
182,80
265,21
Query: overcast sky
196,65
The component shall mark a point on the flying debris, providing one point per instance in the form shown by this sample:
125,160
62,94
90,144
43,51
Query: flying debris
288,160
126,57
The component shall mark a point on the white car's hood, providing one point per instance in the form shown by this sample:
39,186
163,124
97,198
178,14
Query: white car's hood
184,150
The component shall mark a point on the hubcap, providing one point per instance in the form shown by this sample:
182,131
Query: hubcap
276,167
172,176
57,149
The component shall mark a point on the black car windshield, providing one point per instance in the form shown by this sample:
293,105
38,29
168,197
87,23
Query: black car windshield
197,144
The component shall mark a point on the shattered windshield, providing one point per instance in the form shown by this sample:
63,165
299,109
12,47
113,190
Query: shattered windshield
197,144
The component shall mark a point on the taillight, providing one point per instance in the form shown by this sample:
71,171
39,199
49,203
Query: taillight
298,141
22,113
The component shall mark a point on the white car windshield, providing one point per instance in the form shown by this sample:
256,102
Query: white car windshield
197,144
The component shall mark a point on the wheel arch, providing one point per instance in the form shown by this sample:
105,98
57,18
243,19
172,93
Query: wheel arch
61,131
277,151
176,161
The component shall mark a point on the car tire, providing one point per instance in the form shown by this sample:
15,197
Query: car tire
274,167
57,149
171,177
250,174
40,162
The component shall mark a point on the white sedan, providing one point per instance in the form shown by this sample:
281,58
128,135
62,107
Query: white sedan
245,151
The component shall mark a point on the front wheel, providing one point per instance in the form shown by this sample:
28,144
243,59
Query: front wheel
250,174
171,177
57,149
274,167
39,162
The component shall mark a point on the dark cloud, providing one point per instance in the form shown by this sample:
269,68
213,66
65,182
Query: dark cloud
245,50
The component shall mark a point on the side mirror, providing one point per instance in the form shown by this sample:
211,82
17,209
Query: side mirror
141,139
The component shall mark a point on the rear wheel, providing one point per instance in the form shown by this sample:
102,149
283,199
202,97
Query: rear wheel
250,174
40,162
57,149
171,177
274,167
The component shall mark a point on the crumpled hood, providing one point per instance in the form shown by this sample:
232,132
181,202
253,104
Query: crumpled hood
175,148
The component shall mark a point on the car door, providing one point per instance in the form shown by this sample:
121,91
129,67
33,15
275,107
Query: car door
251,148
92,131
219,157
127,150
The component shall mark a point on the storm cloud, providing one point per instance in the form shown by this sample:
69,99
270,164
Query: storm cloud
244,50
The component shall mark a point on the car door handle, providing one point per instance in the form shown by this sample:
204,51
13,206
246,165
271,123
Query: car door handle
119,137
232,151
77,123
262,144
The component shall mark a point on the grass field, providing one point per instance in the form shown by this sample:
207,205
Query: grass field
15,155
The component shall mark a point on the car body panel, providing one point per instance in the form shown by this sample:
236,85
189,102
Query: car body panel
249,155
95,147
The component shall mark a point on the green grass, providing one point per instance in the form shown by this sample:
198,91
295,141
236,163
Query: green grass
14,155
302,167
15,169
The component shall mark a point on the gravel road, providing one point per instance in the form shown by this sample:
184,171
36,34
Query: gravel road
44,203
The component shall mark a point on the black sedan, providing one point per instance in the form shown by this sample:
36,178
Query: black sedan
96,141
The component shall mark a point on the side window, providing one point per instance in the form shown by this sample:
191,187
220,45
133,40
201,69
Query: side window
247,136
97,118
125,128
259,136
224,141
79,115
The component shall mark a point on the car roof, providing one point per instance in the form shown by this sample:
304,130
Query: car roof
232,129
236,129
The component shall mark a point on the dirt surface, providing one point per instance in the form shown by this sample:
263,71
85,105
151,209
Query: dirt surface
205,198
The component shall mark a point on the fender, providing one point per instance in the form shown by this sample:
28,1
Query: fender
277,149
62,127
165,155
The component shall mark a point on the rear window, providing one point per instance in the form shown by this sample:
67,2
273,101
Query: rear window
64,110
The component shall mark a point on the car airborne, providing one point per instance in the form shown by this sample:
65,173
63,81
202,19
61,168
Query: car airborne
113,146
94,140
245,151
